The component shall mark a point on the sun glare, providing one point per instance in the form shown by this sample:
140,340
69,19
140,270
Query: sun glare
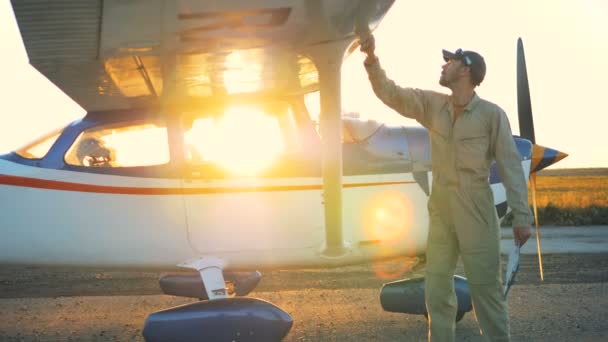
146,145
241,75
244,140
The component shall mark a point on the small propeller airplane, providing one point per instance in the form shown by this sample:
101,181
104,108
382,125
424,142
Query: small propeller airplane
198,150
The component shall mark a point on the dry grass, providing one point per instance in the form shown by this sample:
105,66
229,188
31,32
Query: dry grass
571,191
571,197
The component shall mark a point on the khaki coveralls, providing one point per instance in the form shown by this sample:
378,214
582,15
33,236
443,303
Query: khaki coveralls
461,208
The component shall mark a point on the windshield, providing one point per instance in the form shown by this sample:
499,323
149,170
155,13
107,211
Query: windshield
39,147
121,145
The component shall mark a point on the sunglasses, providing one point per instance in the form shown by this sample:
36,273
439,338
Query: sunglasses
460,56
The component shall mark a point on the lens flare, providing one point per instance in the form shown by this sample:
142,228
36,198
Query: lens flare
387,217
393,268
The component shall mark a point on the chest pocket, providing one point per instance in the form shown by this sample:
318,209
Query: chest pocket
472,145
440,129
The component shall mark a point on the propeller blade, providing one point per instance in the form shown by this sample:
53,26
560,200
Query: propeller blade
526,130
524,105
540,257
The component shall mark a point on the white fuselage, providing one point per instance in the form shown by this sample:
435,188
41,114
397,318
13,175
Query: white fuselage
56,217
73,218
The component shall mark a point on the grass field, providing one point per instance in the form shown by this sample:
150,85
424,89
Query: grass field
571,191
571,197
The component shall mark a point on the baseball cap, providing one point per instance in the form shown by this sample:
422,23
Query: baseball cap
471,59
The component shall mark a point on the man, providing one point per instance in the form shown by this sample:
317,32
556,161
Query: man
92,153
466,134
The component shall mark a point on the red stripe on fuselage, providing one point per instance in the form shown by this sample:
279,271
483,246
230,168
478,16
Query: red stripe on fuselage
37,183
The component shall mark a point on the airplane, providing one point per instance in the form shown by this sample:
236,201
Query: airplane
198,150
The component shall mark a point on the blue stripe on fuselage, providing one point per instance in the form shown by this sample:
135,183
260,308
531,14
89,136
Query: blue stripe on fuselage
524,147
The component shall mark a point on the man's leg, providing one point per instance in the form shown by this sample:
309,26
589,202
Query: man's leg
487,295
441,257
479,235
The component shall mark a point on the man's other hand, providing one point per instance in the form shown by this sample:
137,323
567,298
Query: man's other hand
522,234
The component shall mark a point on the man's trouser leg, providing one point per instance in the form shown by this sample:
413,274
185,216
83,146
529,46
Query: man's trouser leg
441,257
479,240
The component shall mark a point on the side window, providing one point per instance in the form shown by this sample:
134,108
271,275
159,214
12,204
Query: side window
243,139
135,144
39,147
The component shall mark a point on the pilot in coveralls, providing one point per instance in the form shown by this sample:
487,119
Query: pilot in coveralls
466,134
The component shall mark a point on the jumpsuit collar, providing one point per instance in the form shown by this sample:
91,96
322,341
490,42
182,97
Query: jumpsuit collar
467,109
472,103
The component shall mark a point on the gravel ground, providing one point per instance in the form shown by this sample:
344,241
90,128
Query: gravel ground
341,304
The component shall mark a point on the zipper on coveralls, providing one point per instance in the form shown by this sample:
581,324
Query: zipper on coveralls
452,143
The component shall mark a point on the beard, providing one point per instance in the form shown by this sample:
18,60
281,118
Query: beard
443,81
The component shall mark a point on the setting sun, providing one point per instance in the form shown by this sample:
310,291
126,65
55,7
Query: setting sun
244,140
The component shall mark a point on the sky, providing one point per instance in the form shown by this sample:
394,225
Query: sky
565,41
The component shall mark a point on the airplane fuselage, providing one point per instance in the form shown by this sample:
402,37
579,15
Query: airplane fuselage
56,212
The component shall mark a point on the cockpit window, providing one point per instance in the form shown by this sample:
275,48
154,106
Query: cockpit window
134,144
40,147
243,139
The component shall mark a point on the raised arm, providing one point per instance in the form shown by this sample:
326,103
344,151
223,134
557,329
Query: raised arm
409,102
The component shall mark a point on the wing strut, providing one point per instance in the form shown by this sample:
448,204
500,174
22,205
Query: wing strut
328,59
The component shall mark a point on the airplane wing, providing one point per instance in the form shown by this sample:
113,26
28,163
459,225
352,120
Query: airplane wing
114,54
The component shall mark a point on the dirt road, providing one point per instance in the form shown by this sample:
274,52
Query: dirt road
327,305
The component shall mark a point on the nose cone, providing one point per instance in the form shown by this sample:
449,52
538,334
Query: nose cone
543,157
